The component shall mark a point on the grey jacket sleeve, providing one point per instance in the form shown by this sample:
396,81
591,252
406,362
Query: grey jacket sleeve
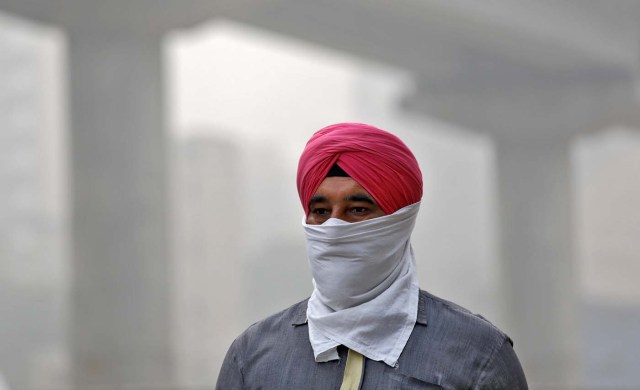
503,370
230,377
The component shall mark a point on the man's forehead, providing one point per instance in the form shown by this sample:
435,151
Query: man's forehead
344,187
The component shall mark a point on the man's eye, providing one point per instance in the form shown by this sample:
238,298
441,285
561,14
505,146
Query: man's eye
320,211
359,210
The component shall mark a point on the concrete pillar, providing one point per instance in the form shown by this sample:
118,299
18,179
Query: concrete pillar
535,207
120,332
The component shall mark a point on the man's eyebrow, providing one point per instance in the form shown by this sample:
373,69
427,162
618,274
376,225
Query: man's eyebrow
360,198
317,199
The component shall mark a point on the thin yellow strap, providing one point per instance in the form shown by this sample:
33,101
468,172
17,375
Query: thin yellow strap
353,371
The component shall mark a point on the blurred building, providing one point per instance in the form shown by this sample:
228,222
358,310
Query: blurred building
207,277
607,167
33,268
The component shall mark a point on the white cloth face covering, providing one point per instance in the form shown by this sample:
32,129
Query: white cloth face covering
365,293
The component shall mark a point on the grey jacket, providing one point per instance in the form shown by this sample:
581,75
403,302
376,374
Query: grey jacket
449,348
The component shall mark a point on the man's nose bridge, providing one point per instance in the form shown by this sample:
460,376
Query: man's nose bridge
339,213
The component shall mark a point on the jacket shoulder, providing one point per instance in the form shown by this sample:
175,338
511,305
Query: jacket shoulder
273,328
450,317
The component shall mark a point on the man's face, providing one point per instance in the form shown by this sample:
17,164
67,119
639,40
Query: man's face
342,198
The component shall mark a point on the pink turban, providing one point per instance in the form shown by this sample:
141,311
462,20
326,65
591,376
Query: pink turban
379,161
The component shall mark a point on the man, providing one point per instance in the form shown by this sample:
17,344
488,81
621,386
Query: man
367,325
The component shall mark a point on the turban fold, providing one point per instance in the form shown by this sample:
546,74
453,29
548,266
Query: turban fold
379,161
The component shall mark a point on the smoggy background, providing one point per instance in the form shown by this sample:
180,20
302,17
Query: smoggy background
148,211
